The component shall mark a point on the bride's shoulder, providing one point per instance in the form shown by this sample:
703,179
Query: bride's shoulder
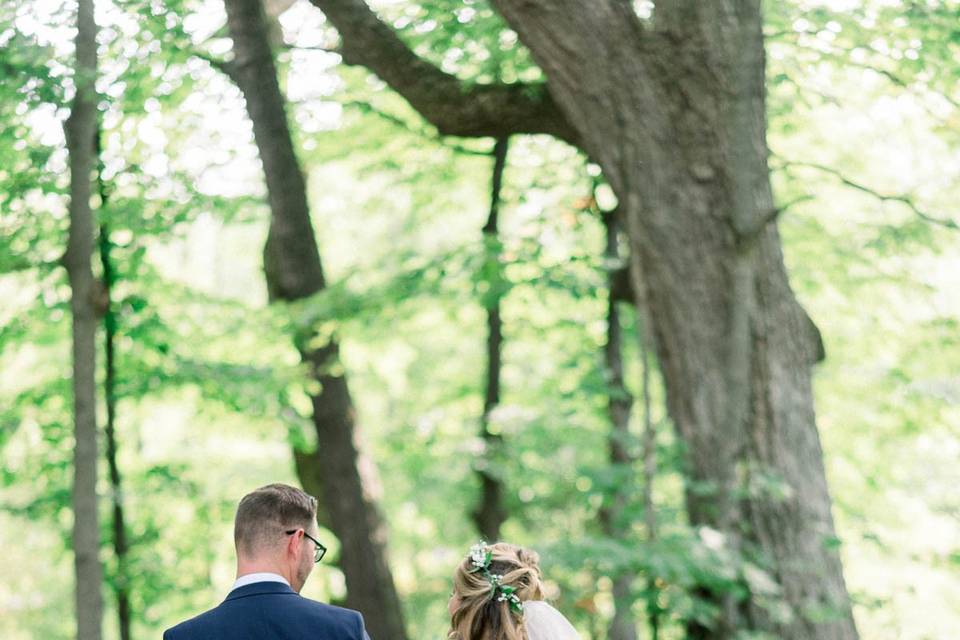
543,620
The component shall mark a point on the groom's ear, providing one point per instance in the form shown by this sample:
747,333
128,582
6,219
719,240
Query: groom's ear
294,541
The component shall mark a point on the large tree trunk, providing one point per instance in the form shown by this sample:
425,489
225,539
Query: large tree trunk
80,130
490,512
674,114
293,271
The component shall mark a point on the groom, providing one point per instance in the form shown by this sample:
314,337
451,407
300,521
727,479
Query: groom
275,533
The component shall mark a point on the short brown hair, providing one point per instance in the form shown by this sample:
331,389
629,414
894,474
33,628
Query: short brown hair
265,513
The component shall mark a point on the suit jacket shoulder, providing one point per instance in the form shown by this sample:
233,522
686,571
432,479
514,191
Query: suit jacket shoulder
270,611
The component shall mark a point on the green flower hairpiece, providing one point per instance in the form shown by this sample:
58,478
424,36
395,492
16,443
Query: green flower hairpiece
480,557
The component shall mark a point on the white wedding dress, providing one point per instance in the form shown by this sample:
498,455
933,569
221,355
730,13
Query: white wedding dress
543,622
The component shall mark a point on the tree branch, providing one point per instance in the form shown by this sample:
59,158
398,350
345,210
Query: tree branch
842,55
452,106
883,197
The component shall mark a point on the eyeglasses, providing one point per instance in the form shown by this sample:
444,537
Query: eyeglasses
318,551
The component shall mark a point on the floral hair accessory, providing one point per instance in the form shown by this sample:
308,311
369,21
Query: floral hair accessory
481,556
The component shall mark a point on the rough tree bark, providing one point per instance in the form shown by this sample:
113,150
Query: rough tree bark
674,112
490,513
80,130
673,109
294,271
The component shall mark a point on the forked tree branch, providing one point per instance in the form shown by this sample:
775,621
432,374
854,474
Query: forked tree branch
454,107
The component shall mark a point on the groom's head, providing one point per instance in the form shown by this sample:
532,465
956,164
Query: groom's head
274,531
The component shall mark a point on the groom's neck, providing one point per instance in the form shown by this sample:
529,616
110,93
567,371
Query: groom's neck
261,565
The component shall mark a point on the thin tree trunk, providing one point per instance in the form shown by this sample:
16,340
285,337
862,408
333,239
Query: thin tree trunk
673,111
80,131
623,626
122,586
490,514
116,485
634,284
654,612
293,271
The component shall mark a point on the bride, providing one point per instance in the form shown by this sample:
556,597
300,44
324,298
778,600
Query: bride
498,595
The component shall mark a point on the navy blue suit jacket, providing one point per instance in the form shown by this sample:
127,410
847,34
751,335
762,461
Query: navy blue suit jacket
270,611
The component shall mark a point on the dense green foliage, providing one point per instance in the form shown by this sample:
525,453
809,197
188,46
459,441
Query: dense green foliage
863,136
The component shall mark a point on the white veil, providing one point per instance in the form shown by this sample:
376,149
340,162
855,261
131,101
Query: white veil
543,622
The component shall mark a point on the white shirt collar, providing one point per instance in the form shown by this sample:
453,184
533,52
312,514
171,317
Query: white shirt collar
251,578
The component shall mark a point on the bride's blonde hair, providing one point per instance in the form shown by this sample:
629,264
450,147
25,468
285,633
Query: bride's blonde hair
480,614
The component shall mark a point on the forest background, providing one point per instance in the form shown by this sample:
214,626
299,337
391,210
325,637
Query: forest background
474,285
